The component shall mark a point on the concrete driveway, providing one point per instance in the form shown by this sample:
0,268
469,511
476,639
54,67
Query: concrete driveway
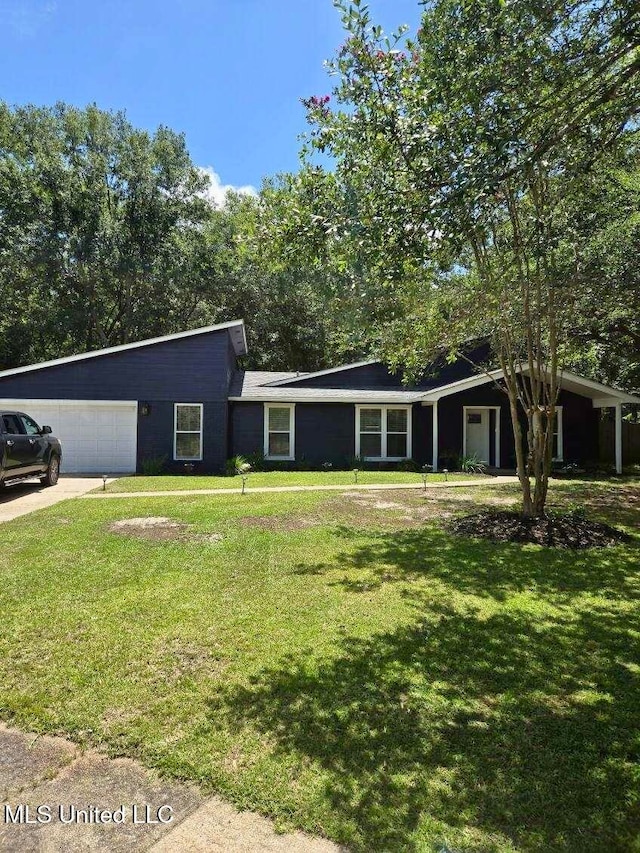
29,496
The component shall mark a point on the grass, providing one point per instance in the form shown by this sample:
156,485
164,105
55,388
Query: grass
343,664
277,478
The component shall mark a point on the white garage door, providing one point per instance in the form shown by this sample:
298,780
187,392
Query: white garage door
97,436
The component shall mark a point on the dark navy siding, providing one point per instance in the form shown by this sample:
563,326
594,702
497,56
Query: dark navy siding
377,375
450,422
579,422
194,368
369,376
579,427
155,436
246,428
184,370
325,432
422,438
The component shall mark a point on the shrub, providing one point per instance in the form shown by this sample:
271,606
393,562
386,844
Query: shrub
153,466
472,465
355,462
450,459
256,460
237,465
408,465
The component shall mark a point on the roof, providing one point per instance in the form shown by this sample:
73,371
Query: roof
602,395
267,386
245,381
292,377
236,334
270,386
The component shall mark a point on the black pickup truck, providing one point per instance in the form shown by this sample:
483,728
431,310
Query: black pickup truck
27,450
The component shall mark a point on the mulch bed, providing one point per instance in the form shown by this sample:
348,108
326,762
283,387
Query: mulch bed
556,531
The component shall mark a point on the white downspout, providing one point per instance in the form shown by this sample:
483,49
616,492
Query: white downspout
618,408
434,452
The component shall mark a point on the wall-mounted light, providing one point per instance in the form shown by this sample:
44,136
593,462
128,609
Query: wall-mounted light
145,409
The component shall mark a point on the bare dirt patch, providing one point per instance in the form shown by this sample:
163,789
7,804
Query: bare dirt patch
406,508
160,529
555,531
157,528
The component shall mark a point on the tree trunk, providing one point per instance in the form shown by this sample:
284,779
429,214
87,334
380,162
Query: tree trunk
521,462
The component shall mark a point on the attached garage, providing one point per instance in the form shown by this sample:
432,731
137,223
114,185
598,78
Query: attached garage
97,436
115,410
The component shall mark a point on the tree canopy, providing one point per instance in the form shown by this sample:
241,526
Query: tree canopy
107,236
461,156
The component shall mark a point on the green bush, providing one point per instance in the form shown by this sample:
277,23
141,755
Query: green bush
472,465
237,465
450,459
408,465
153,466
257,461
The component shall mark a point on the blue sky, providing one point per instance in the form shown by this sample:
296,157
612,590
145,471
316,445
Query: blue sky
228,73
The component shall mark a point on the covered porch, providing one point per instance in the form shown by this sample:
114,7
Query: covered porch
472,416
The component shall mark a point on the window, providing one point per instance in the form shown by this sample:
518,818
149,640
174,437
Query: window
371,433
474,418
11,425
383,432
30,426
279,442
557,451
187,440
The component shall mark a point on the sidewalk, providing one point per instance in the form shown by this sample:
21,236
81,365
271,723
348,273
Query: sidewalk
53,772
493,481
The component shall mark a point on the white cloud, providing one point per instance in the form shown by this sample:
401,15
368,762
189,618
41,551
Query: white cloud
216,192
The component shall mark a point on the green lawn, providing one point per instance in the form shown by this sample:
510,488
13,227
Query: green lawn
343,664
278,478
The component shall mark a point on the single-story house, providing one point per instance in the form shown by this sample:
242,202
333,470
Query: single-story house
182,397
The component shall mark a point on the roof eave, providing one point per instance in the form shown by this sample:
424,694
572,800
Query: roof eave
239,344
326,372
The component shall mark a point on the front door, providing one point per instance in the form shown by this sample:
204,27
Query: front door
477,434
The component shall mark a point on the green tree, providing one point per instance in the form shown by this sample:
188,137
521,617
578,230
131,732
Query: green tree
106,236
90,208
606,213
457,154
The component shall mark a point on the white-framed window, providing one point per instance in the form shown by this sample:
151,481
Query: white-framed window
383,432
187,432
558,450
279,431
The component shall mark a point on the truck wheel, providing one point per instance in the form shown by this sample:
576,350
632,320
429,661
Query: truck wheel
53,472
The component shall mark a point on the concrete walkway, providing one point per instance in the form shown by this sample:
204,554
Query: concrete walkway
148,813
31,495
490,481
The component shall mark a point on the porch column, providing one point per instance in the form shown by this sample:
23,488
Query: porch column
434,451
618,408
